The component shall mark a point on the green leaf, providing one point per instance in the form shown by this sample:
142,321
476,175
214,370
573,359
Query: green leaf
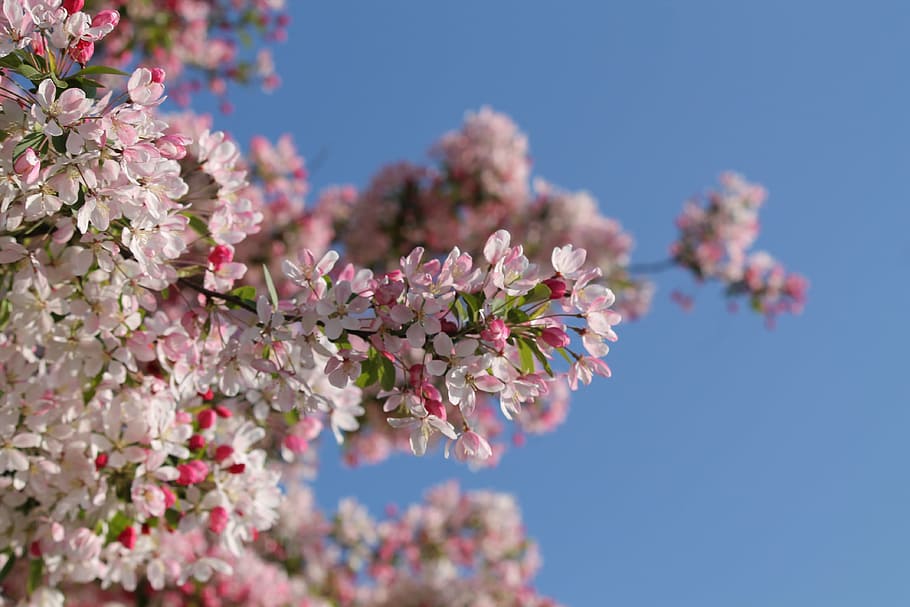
526,355
8,566
565,355
475,303
246,293
386,373
369,371
172,517
98,69
198,225
273,293
60,84
31,140
59,143
35,574
116,526
544,362
30,72
517,316
11,61
539,293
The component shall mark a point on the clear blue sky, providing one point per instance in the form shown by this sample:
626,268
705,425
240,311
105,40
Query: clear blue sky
723,464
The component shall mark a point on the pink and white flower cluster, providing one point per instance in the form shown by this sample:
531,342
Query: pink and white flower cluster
716,236
139,383
198,41
454,548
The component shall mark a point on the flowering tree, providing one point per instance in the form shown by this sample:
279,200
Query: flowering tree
177,327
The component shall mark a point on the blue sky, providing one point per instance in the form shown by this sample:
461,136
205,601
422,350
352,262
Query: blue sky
723,464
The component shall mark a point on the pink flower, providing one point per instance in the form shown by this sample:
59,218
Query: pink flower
555,337
218,519
496,332
127,537
28,166
143,88
82,50
192,472
472,446
73,6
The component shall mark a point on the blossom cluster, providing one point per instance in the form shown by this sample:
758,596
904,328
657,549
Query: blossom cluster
198,42
716,235
454,548
139,384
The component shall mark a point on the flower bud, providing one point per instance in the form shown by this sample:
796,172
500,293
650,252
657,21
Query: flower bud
218,519
73,6
196,442
435,407
206,418
127,537
82,50
557,287
106,19
220,255
223,452
192,472
28,166
555,337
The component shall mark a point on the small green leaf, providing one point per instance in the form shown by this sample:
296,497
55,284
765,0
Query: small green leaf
386,373
544,362
370,370
246,293
526,356
273,293
35,575
98,69
11,61
116,525
172,517
30,72
475,303
198,225
59,143
10,561
32,140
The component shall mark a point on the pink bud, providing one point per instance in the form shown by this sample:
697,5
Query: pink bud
473,446
435,407
296,444
218,519
236,468
496,332
196,442
169,498
82,50
206,418
223,411
415,374
73,6
223,452
101,461
220,255
557,287
158,75
555,337
448,327
127,537
28,166
192,472
173,147
106,18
